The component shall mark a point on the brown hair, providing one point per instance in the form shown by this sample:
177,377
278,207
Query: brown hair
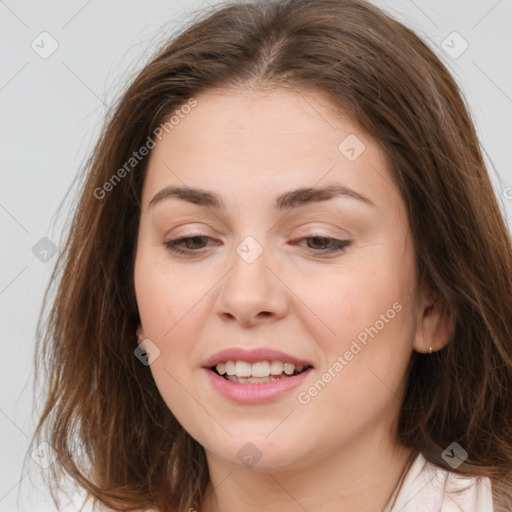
103,414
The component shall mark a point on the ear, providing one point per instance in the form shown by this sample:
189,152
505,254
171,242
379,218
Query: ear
435,325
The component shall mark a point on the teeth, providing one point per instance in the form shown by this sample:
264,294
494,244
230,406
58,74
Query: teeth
289,368
230,367
252,380
259,370
276,367
243,369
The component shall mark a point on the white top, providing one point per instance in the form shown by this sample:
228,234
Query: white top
428,488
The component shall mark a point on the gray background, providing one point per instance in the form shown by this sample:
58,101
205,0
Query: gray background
52,109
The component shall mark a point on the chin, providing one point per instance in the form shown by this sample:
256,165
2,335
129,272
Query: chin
259,453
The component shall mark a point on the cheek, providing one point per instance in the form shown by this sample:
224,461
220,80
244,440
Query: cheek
165,294
351,305
171,313
160,311
155,307
366,348
366,330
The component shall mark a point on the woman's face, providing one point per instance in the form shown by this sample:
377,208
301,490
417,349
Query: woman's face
261,270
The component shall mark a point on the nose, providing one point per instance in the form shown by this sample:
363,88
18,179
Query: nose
252,292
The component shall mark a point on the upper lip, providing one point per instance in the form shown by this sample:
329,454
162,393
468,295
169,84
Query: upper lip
253,356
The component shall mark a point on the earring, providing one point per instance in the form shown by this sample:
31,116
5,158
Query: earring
430,350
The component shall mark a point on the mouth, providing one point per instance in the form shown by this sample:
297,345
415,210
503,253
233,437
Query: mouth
255,376
259,372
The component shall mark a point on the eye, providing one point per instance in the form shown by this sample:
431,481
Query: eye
193,244
326,245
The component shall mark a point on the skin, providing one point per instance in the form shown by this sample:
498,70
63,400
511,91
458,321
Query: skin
249,146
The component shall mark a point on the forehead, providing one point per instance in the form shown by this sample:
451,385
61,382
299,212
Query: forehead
281,119
252,142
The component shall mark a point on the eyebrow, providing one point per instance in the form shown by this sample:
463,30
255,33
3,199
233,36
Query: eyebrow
293,199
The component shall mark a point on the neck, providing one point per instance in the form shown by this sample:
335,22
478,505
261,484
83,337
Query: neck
356,478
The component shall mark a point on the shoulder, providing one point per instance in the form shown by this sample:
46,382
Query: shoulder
437,490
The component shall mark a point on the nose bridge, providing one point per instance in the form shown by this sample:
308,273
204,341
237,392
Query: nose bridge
250,289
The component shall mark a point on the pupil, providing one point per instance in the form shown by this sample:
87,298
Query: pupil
194,240
322,240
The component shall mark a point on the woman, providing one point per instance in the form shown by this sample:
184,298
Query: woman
287,282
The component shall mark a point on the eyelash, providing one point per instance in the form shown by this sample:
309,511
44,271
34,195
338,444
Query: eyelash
339,245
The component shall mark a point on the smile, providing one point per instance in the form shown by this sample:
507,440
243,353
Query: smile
258,372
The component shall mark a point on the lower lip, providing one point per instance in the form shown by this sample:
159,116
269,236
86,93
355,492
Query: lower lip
255,393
